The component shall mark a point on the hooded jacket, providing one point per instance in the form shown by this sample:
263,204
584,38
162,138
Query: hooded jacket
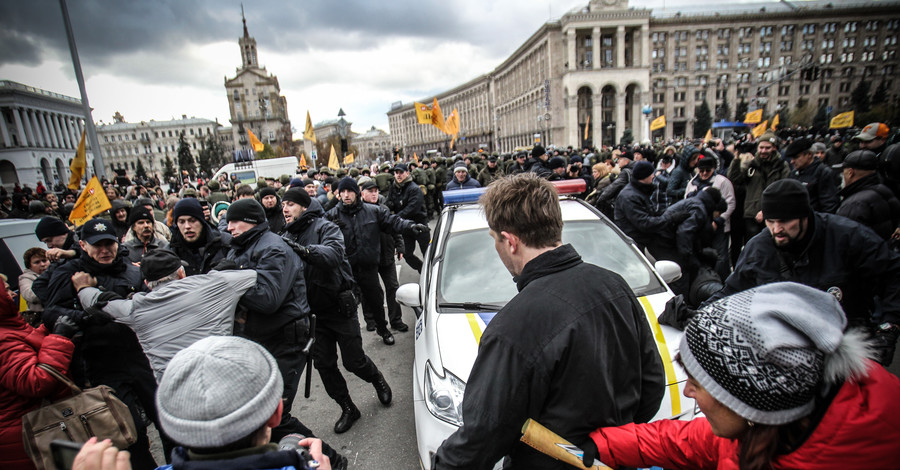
202,255
680,176
725,188
137,249
858,430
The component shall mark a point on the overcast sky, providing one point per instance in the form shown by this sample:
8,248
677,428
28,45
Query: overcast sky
161,59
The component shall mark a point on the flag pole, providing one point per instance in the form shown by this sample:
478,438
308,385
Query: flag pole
89,121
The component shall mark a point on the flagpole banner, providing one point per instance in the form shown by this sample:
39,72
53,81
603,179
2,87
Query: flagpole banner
254,142
78,165
775,121
348,159
423,113
708,136
753,117
658,123
587,125
90,202
309,134
760,129
437,118
333,160
842,120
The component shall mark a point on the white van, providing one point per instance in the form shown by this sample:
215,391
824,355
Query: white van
248,172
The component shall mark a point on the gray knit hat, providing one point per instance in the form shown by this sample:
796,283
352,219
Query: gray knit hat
764,352
217,391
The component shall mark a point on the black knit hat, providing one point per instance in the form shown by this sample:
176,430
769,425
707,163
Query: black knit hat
557,162
706,161
348,183
297,196
797,147
785,200
50,227
188,206
246,210
641,170
159,263
537,151
267,191
139,213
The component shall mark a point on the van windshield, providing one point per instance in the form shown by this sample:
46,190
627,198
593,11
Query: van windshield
246,176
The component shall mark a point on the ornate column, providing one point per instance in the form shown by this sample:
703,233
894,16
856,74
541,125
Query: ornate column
63,132
620,49
595,45
572,120
57,130
570,49
19,127
49,133
32,137
7,141
645,45
597,118
620,115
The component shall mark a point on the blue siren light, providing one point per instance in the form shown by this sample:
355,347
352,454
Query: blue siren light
463,196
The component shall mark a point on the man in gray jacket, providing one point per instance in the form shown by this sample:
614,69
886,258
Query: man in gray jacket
178,310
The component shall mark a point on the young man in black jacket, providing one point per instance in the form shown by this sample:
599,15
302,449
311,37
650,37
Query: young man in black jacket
568,355
406,200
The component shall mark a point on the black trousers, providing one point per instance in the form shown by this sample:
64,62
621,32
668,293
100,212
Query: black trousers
409,242
333,332
372,296
287,349
388,273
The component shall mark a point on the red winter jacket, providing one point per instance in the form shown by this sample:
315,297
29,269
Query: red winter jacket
22,385
860,429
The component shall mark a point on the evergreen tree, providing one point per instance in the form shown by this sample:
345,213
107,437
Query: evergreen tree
880,95
820,121
212,156
267,153
168,168
724,110
185,159
860,97
741,111
704,119
627,137
139,171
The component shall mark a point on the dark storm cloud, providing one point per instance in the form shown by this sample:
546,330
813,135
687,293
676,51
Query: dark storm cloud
32,30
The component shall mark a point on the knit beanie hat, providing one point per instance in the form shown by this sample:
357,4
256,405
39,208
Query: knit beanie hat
296,182
348,183
786,199
557,162
267,191
537,151
213,185
139,213
297,196
284,179
246,210
217,391
641,170
188,206
50,227
764,353
460,166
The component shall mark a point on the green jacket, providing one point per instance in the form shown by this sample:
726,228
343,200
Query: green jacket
755,177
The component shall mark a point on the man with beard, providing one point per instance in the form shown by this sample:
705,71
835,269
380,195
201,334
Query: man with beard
118,213
407,202
362,225
755,174
144,239
828,252
195,240
108,354
162,231
330,292
268,197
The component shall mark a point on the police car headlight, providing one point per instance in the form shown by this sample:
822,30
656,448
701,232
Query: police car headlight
444,396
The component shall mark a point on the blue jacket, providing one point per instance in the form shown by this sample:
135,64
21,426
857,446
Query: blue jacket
468,183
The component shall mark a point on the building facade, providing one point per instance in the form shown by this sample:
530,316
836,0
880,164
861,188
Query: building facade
606,68
151,142
255,101
374,144
39,134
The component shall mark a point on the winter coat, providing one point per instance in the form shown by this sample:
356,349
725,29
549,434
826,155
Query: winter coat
468,183
609,195
541,167
327,270
868,202
859,430
819,182
26,280
635,215
725,188
687,233
279,296
178,313
202,255
841,256
137,249
755,177
22,385
362,224
679,178
160,231
275,216
487,175
407,201
550,354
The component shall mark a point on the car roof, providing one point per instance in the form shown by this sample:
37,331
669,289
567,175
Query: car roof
471,217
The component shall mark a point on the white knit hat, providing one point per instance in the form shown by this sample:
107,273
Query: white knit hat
217,391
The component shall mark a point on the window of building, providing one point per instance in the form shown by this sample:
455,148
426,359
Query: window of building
872,25
658,53
702,51
787,30
804,90
724,33
170,133
659,37
702,80
699,95
681,81
765,31
870,41
702,34
807,45
133,137
828,44
680,66
744,78
744,48
887,70
846,57
743,92
659,97
681,35
848,42
825,88
701,65
659,83
784,90
809,29
659,67
893,24
721,93
723,79
746,32
823,102
847,72
192,131
826,58
237,95
827,73
588,42
106,138
762,77
844,87
787,46
765,48
679,112
722,49
722,64
890,40
829,28
889,55
850,27
158,149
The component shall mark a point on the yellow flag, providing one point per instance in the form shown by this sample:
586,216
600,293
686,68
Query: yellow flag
437,118
423,113
333,160
760,129
309,134
254,142
753,117
415,158
775,122
842,120
708,136
348,159
452,126
587,126
90,202
77,166
303,163
658,123
452,142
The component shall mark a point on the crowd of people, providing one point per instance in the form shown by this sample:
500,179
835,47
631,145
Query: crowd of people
791,237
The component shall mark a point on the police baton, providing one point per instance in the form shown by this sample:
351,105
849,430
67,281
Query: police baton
308,351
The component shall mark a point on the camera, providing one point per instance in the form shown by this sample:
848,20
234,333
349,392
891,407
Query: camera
292,442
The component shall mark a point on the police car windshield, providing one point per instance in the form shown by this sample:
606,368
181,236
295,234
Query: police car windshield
471,271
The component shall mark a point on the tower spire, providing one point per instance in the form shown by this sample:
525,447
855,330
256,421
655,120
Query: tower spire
244,19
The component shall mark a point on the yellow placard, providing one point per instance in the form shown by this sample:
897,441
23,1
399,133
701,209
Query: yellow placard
753,117
842,120
423,113
90,202
658,123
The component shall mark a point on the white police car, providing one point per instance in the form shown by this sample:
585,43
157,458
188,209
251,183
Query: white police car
464,283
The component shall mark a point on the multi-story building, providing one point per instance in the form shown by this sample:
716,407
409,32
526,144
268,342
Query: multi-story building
372,144
255,101
124,143
587,77
39,133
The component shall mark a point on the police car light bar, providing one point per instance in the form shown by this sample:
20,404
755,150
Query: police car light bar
462,196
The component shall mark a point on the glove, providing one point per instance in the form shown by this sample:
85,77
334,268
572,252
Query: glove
302,251
225,264
94,316
589,447
885,342
418,229
66,326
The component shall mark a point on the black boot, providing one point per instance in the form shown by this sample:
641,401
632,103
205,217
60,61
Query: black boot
383,390
386,336
349,414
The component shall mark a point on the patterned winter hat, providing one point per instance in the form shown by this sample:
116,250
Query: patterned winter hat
762,353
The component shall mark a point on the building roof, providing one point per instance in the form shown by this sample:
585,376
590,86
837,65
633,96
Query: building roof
9,85
737,8
372,133
124,126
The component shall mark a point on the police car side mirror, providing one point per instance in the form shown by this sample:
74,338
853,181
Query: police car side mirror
669,271
408,294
